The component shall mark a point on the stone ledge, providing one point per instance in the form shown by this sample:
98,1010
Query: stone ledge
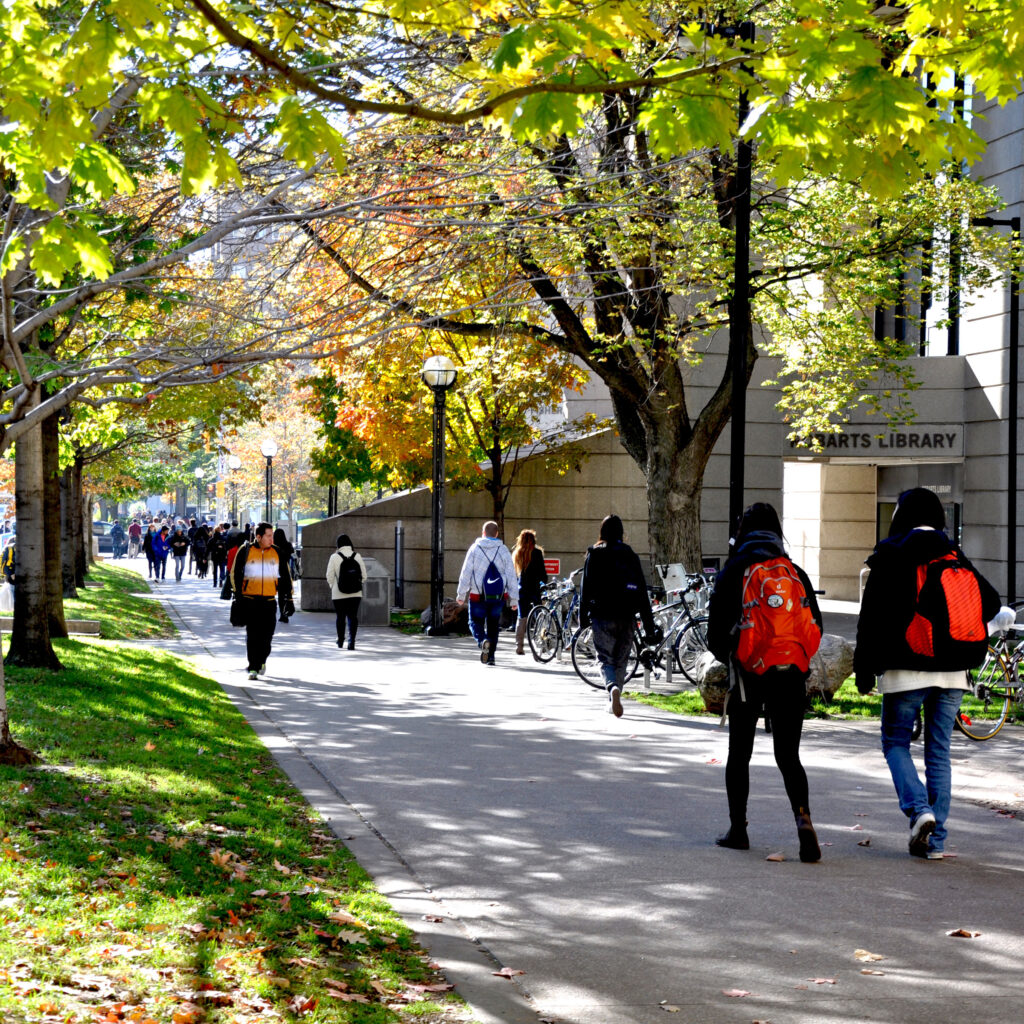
83,627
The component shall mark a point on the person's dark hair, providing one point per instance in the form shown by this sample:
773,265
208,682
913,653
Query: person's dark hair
611,529
917,507
343,541
262,528
490,528
280,537
758,518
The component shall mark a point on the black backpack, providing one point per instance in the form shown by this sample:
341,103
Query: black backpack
350,576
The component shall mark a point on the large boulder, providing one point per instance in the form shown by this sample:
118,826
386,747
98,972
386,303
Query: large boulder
829,668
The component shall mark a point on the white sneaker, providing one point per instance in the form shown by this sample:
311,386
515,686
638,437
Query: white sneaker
923,827
615,702
252,674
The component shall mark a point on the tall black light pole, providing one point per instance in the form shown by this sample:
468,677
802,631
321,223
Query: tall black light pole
1012,406
199,493
234,464
268,449
439,375
739,304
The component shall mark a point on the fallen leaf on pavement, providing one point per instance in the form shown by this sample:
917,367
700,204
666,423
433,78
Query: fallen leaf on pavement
863,954
775,857
856,828
433,917
507,972
822,981
963,933
669,1008
735,993
867,970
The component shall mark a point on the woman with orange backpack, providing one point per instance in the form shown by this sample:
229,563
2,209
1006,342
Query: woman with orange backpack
764,623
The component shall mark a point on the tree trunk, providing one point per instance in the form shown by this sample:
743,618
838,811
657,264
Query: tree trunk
10,752
53,572
69,583
78,522
30,638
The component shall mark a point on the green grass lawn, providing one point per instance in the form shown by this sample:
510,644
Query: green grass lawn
158,868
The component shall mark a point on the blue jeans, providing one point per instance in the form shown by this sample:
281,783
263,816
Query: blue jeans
179,566
485,622
899,712
613,639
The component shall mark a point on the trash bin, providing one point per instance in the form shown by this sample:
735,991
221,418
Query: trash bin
375,607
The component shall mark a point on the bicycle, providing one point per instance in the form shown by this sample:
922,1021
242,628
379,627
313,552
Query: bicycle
993,686
683,632
551,624
584,658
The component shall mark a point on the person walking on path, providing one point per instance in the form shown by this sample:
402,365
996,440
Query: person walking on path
134,538
346,574
161,549
117,539
147,547
259,575
759,567
218,552
180,545
528,560
612,593
488,579
913,674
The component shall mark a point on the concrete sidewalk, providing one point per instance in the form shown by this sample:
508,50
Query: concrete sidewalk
515,824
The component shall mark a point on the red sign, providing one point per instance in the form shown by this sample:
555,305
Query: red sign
552,565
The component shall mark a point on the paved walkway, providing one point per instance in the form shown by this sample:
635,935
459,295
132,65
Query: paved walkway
516,825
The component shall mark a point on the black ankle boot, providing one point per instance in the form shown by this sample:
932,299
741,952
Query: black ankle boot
809,849
735,838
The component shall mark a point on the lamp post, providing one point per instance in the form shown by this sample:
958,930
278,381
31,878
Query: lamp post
268,449
439,375
234,464
199,492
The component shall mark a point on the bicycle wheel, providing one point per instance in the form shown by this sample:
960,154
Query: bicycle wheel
543,633
983,710
584,658
690,644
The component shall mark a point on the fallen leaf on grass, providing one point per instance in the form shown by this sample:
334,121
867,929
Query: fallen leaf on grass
867,970
963,933
822,981
347,997
300,1005
340,917
276,979
280,867
507,972
865,956
736,993
775,857
150,745
440,986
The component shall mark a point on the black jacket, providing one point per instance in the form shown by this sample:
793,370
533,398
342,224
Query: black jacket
890,598
613,586
532,578
179,545
724,607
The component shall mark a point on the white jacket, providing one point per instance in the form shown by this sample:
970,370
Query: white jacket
334,567
478,557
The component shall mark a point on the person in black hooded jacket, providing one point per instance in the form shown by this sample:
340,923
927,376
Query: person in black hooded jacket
780,692
907,680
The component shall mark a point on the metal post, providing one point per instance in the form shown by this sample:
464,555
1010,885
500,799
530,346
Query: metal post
270,488
400,565
739,308
437,516
234,502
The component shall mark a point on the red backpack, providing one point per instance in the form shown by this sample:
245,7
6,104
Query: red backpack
776,624
948,624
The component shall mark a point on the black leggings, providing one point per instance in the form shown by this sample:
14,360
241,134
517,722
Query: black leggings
782,695
346,609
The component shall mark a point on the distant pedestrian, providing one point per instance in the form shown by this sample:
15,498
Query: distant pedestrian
147,547
286,547
9,561
768,659
218,552
134,538
161,549
612,594
201,550
528,560
488,579
921,662
180,546
346,574
259,577
117,539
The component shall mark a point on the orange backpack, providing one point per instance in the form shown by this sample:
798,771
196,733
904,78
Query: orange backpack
948,624
776,627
